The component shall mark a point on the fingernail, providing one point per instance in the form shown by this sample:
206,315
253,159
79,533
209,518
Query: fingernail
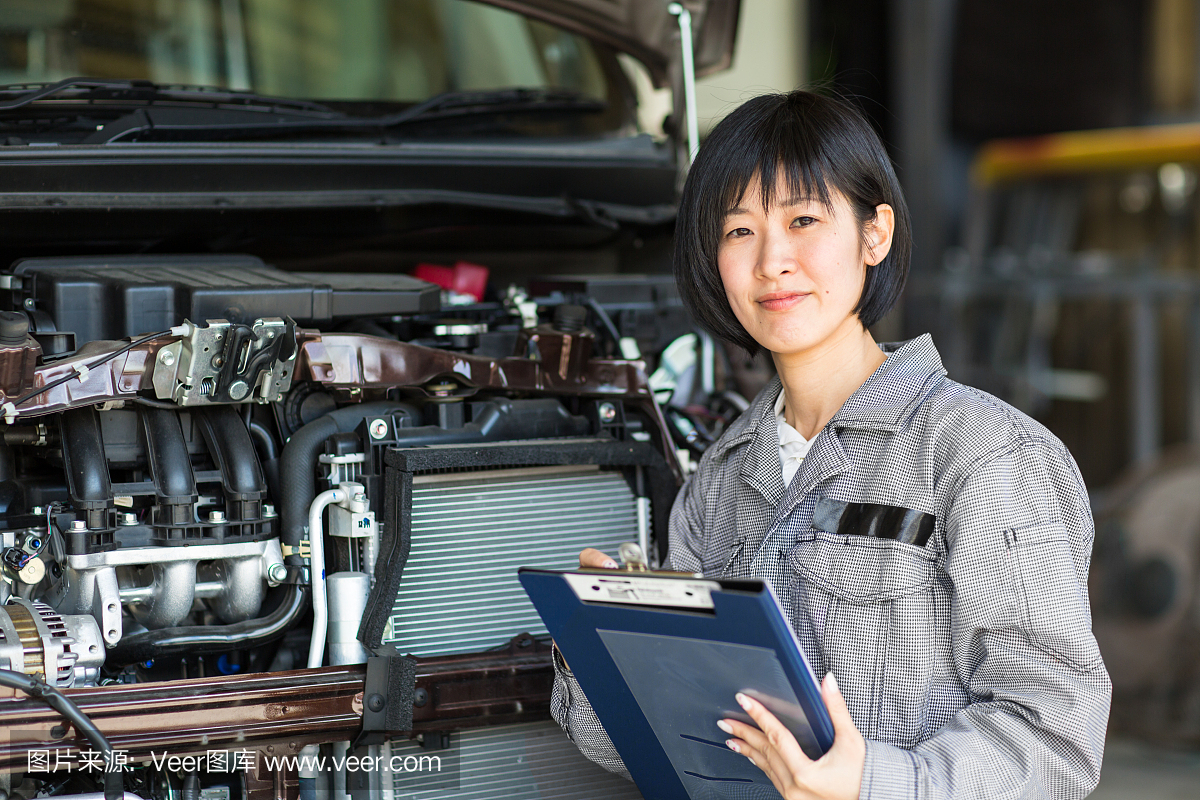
742,700
732,745
752,761
833,681
610,564
725,726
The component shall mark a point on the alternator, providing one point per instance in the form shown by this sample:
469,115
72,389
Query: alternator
35,639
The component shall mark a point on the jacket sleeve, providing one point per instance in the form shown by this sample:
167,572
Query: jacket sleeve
1018,545
574,714
568,705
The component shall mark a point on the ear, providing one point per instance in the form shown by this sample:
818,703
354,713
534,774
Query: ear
879,234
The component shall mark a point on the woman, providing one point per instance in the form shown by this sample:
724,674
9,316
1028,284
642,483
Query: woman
929,543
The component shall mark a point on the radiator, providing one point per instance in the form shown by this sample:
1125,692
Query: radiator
470,533
534,761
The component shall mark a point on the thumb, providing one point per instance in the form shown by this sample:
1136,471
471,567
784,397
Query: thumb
839,714
591,557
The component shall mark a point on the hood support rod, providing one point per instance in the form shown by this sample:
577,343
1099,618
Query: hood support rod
689,77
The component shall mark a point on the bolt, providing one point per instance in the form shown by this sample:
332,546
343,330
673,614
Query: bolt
608,412
29,302
79,526
269,511
216,516
420,697
126,518
379,428
376,703
238,390
277,572
166,357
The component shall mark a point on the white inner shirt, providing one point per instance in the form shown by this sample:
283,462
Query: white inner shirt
792,446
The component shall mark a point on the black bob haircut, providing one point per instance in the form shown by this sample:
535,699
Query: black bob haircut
812,142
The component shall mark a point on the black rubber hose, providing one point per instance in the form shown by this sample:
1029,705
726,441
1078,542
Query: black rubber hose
114,785
263,434
297,466
268,456
212,639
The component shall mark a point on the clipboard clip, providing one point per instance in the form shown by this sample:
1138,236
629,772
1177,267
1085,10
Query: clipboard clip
632,558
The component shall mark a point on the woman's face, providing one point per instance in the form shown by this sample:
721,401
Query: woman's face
794,272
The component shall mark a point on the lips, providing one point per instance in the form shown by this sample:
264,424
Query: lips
781,301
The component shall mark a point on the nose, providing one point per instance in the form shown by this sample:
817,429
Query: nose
776,257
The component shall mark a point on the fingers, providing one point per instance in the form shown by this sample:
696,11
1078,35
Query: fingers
777,736
771,746
592,557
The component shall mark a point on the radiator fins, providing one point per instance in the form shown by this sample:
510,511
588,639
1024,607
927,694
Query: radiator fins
470,533
534,761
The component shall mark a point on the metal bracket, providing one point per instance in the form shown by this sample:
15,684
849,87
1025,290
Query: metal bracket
303,549
226,363
388,698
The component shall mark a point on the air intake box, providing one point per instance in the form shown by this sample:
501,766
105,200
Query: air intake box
112,298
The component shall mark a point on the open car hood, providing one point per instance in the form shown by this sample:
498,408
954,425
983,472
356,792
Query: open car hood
644,29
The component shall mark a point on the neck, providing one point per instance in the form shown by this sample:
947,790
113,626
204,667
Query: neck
817,382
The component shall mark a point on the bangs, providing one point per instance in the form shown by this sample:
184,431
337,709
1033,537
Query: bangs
788,165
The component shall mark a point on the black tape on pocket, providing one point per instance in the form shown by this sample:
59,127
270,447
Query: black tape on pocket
871,519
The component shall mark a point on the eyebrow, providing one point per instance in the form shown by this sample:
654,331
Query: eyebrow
788,203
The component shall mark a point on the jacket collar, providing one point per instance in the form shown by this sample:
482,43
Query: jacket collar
889,397
885,402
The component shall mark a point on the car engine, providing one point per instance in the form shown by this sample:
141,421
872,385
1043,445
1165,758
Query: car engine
252,511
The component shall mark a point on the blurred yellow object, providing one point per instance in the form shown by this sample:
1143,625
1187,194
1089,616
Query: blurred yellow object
1005,160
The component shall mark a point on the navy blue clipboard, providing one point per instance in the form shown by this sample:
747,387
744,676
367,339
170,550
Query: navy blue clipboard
660,675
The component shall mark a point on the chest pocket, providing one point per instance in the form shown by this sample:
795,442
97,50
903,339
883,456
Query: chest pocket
880,617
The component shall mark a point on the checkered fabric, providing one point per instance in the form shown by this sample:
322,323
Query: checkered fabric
969,663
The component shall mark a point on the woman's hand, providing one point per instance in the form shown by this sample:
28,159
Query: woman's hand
772,748
592,557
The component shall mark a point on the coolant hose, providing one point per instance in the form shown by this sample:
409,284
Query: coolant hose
191,787
212,639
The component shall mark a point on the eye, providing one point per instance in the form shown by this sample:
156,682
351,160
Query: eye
803,222
738,233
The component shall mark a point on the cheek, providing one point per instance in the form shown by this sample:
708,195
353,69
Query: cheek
843,278
732,278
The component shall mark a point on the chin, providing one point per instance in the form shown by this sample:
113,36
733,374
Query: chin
797,339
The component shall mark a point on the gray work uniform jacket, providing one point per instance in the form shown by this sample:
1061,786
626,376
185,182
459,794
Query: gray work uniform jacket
932,552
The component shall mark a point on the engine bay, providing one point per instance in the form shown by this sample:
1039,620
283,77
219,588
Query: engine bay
253,511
